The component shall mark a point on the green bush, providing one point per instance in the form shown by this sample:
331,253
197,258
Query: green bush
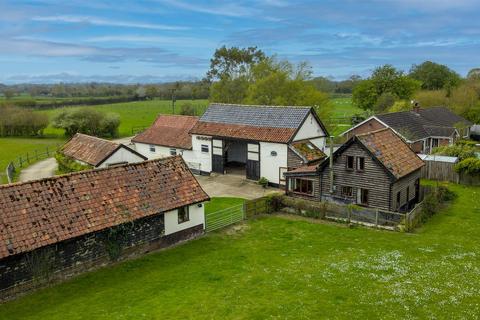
88,121
21,122
67,164
462,151
469,166
263,182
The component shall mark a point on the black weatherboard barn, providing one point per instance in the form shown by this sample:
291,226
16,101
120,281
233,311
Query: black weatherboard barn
375,169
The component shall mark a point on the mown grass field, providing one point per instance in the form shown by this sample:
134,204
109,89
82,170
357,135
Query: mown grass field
11,148
287,269
132,114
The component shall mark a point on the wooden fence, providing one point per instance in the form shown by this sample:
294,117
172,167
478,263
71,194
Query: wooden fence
441,171
35,155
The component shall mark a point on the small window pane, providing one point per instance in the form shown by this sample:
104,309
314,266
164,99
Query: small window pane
204,148
152,148
173,152
360,163
350,162
183,215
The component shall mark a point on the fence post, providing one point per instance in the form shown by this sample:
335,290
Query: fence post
48,153
36,154
244,207
376,218
254,207
28,158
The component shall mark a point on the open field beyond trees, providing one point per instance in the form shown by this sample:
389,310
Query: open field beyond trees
287,268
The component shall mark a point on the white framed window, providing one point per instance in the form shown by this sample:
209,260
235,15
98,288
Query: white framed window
205,148
152,148
173,151
360,163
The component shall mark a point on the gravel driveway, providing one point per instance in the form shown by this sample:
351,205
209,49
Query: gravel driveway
42,169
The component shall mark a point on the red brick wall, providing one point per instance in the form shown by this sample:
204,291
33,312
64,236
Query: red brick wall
417,146
370,125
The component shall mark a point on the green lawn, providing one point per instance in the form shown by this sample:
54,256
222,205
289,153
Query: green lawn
220,203
343,107
132,114
11,148
287,269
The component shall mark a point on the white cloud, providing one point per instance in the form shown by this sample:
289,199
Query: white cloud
223,9
161,40
105,22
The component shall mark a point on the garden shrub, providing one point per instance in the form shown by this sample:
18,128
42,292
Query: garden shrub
462,151
67,164
88,121
263,182
469,166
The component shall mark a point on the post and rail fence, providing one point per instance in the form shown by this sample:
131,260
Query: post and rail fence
28,158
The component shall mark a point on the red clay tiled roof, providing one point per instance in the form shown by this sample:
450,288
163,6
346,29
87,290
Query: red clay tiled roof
169,131
88,149
267,134
308,150
391,151
304,169
43,212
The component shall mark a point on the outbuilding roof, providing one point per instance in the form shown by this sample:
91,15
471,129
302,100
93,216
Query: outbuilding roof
169,131
308,151
89,149
39,213
253,122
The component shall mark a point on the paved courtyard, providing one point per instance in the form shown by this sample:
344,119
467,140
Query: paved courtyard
230,185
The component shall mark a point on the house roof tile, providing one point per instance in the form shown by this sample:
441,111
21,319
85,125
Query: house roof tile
88,149
391,151
39,213
169,131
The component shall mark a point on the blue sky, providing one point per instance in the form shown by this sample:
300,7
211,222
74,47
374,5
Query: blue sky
165,40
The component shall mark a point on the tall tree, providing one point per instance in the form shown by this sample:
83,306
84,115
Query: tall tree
384,79
233,62
434,76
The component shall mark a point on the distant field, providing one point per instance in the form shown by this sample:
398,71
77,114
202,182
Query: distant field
11,148
132,114
343,107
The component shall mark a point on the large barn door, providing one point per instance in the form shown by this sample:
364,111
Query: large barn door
218,160
253,161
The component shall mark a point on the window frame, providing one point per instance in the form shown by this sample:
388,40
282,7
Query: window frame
204,147
347,161
186,214
173,151
152,148
359,160
347,194
305,185
364,192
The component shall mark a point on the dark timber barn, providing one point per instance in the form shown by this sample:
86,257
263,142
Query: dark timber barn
375,169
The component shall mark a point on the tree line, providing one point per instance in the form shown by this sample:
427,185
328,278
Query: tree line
430,84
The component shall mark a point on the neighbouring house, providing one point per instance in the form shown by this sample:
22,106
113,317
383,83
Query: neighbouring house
99,153
422,129
67,224
169,135
375,169
257,141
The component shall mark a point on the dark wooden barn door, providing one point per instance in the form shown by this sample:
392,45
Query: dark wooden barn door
253,161
218,159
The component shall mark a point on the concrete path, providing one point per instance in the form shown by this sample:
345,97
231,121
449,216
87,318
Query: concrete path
219,185
42,169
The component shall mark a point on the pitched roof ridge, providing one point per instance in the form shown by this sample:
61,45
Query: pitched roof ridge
258,105
372,132
94,170
95,138
177,115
